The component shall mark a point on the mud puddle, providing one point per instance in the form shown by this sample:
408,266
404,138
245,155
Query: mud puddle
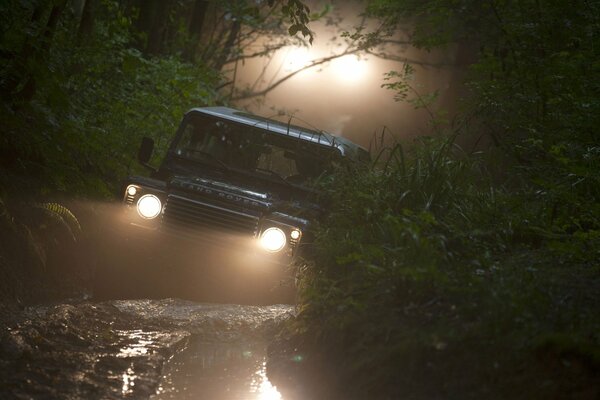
160,349
224,357
218,371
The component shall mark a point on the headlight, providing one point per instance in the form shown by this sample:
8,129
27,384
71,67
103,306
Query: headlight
273,239
149,206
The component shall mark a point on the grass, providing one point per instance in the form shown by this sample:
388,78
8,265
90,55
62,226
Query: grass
435,279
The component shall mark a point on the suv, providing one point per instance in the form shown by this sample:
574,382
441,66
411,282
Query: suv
237,181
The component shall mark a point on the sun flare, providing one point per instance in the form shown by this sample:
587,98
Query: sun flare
296,58
349,68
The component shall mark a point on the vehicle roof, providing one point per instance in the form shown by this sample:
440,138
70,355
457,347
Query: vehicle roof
345,146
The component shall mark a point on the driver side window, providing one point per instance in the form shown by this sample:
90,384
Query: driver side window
201,137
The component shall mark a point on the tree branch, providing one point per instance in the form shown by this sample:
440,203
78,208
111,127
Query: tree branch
292,74
398,58
265,51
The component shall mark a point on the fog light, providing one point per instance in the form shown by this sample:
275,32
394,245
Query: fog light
295,234
273,239
149,206
131,190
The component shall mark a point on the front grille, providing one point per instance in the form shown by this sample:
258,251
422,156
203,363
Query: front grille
195,217
129,199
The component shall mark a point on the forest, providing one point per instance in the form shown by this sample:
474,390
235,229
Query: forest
462,264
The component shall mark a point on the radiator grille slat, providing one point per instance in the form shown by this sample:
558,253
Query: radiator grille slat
195,216
209,216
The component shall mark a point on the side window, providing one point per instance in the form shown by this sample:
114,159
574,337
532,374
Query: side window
201,136
186,140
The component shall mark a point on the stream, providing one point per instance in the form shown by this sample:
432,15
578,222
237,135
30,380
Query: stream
140,349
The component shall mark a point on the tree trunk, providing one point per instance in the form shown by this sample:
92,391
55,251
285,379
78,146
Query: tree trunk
18,69
86,23
29,89
28,52
195,28
55,14
229,43
156,33
145,21
198,14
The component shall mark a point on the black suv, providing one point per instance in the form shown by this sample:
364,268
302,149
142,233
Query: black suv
237,181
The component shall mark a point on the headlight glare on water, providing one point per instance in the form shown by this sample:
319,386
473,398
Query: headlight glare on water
149,206
273,239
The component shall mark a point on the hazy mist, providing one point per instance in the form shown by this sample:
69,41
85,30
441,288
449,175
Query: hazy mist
344,96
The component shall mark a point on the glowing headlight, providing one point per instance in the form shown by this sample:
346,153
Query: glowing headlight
131,190
273,239
295,234
149,206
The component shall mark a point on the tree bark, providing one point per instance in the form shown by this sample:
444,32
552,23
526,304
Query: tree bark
146,16
86,23
55,14
195,28
228,46
29,88
18,69
155,35
28,52
198,15
145,21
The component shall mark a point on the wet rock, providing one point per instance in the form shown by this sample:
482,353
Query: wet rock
83,351
13,346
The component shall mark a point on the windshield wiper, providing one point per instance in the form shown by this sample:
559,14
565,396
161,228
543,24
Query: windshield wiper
273,174
211,157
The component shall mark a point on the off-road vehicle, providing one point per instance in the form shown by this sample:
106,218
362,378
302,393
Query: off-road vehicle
235,181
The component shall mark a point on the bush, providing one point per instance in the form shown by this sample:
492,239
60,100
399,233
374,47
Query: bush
91,104
427,265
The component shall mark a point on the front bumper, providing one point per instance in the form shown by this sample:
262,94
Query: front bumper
159,237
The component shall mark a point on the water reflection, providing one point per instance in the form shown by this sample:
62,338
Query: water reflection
262,386
225,359
219,371
136,347
128,381
139,344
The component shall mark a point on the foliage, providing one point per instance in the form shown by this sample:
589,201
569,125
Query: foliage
436,260
78,132
80,87
531,84
440,272
444,263
299,15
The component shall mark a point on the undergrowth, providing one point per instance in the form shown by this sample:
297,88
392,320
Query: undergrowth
442,273
427,266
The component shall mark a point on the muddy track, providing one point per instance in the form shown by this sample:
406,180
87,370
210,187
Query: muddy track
139,349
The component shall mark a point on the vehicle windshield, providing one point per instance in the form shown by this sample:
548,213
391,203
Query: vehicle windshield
240,147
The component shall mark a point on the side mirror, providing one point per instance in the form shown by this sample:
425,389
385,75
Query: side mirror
146,149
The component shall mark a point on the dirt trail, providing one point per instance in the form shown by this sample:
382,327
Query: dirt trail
139,349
